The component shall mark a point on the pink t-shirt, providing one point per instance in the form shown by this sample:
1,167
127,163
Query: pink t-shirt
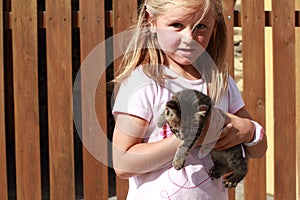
141,96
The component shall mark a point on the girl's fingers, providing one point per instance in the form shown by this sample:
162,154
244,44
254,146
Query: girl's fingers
225,131
227,175
221,145
224,139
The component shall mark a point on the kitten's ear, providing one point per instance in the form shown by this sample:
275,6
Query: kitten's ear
201,111
172,104
167,113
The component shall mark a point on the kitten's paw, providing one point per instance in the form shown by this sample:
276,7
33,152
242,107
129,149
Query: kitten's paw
229,184
214,173
232,180
178,163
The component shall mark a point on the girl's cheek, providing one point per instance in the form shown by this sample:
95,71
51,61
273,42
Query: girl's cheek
203,40
168,40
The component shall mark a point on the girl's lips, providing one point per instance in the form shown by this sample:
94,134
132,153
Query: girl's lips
182,49
187,52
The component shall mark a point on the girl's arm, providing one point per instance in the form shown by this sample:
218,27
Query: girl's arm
131,156
240,129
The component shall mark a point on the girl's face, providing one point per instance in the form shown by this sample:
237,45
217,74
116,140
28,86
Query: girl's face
183,35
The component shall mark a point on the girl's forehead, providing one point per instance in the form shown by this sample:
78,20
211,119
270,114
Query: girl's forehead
188,13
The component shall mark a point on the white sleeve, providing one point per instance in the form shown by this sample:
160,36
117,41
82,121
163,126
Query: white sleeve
135,97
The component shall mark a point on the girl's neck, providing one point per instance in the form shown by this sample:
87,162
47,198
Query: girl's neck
187,71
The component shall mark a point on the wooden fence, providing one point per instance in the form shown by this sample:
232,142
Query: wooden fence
43,43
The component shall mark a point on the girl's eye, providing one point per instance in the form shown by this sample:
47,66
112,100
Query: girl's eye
200,26
177,25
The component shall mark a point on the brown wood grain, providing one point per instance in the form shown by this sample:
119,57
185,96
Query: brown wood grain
7,17
298,105
123,21
284,99
59,77
228,9
228,12
25,80
92,31
125,13
253,22
3,176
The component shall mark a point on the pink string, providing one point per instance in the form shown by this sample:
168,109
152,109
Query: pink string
165,193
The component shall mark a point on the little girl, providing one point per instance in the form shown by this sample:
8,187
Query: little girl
177,44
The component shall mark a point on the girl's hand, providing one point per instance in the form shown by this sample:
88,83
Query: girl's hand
237,130
213,127
228,130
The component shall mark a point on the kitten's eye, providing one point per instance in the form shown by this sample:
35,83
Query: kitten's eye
174,130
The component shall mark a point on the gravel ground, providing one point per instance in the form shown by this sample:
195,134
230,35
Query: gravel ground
239,193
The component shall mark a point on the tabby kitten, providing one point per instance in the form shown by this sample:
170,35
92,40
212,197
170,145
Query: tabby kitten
186,113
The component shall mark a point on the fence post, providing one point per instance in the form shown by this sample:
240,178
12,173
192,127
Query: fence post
92,32
122,21
25,84
298,100
59,77
3,176
298,109
284,98
253,21
228,7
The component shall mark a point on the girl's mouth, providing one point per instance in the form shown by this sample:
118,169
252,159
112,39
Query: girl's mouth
187,52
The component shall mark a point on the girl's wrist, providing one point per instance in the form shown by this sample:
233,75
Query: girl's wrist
257,135
251,134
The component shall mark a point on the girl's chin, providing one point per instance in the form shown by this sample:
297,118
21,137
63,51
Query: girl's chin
181,60
185,61
181,64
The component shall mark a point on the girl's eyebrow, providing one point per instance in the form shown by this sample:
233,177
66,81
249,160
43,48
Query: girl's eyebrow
181,20
175,19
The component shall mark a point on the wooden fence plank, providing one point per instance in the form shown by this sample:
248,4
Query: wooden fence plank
253,21
284,98
228,12
59,75
25,76
122,21
228,9
3,176
92,32
298,107
297,52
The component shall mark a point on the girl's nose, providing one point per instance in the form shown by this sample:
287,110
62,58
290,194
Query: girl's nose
187,36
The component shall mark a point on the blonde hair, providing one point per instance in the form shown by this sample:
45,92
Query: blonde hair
143,49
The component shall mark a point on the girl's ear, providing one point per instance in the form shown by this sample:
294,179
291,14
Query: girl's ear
152,25
152,28
151,21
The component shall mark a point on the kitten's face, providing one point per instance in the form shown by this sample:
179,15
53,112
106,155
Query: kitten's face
173,120
186,112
